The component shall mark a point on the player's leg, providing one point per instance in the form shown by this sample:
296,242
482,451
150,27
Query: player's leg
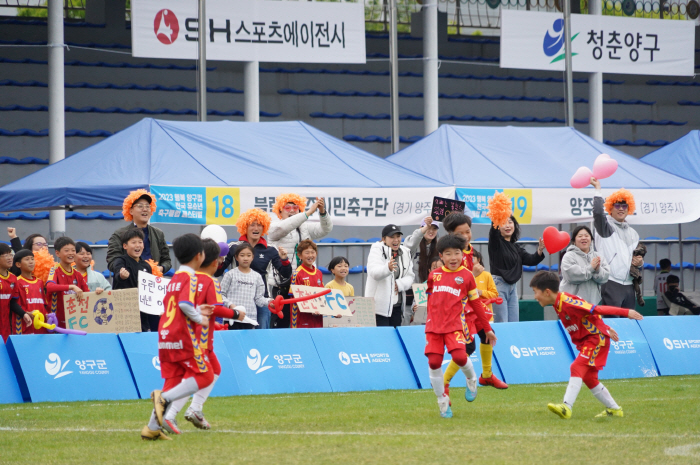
152,431
450,373
434,350
599,357
487,377
194,413
578,372
460,348
198,375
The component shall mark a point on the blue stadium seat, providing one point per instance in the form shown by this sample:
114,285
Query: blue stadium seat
542,267
102,242
649,266
329,240
324,270
652,238
692,238
354,240
84,240
554,267
356,269
672,238
481,239
106,273
529,269
374,239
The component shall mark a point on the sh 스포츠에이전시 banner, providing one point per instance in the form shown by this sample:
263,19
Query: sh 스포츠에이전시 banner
251,30
610,44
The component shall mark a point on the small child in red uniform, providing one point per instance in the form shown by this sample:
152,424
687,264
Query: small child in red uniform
31,292
451,291
590,335
9,295
63,279
183,365
306,275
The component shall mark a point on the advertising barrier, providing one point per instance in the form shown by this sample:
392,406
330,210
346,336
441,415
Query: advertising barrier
363,359
674,342
9,387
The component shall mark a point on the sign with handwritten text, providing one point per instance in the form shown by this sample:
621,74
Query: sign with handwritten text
362,309
329,304
152,293
443,207
108,312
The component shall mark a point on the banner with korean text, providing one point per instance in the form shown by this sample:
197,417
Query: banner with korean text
610,44
251,30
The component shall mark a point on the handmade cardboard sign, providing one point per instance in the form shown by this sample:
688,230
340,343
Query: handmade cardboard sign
109,312
443,207
362,309
329,304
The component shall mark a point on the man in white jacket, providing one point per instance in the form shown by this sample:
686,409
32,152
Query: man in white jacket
389,276
616,240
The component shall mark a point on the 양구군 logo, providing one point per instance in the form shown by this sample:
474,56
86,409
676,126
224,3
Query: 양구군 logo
54,368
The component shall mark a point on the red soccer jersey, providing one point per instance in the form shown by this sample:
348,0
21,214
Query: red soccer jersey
8,291
581,321
304,276
468,258
177,334
31,297
448,292
208,292
57,286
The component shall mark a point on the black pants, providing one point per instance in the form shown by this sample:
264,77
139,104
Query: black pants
236,326
618,295
393,320
149,323
275,321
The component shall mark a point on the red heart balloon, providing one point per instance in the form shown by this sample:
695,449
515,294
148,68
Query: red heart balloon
555,240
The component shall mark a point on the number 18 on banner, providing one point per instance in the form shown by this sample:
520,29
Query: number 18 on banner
196,205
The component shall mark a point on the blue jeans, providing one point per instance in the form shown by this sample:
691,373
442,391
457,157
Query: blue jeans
263,318
509,310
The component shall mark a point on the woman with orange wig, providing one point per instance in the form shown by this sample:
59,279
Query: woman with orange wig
616,240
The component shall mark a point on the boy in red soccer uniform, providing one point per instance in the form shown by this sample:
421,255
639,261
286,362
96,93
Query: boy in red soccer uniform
63,279
306,275
590,335
183,365
30,291
9,295
451,290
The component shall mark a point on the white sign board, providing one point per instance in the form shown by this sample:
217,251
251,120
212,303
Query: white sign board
251,30
330,304
610,44
363,315
151,293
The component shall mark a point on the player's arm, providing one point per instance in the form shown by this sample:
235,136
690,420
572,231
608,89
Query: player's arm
623,312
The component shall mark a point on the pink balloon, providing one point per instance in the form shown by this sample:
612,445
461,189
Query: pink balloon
604,166
581,178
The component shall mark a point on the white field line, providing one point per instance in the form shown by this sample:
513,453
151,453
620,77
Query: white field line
690,450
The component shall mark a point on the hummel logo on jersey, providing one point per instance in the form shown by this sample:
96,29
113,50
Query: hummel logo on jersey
164,333
449,289
37,300
572,329
171,345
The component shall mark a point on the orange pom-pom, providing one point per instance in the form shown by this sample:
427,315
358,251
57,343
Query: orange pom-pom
249,217
284,199
500,209
43,262
155,271
623,195
133,197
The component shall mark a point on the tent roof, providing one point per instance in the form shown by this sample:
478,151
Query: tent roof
681,157
523,157
156,152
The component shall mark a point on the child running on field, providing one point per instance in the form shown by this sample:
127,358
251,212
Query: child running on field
590,335
451,290
339,268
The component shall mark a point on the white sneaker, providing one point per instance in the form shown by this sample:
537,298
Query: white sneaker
197,419
470,392
444,404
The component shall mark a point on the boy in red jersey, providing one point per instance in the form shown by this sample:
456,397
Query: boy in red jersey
31,294
591,336
63,279
183,365
306,275
9,295
451,290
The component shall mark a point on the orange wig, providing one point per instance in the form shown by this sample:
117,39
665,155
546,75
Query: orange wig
623,195
500,209
43,262
251,216
284,199
133,197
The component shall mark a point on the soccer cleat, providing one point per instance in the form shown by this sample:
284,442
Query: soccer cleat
197,419
492,381
562,410
444,404
447,391
609,412
159,405
470,392
171,426
148,434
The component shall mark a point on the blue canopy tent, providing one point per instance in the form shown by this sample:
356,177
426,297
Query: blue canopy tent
156,152
681,157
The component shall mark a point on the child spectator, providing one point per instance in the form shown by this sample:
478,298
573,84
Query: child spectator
30,291
339,268
63,279
660,286
83,263
306,275
677,303
127,267
242,286
8,294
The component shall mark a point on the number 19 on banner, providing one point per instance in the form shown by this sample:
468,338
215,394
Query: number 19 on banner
223,205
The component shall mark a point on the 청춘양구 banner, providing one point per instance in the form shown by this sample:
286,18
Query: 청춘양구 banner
610,44
251,30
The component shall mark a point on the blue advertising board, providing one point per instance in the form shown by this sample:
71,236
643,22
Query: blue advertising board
363,359
674,342
413,338
273,361
630,357
532,352
141,351
58,367
9,388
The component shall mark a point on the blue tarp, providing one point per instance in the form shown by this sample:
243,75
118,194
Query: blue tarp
225,153
523,157
681,157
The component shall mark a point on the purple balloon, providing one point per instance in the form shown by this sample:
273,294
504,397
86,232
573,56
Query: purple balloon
52,320
224,249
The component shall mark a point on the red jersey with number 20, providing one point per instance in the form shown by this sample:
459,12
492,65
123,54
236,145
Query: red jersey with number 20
177,334
448,292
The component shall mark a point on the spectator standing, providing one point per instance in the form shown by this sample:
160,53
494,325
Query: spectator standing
138,208
33,242
507,258
422,245
583,270
616,241
339,268
127,267
661,286
83,263
389,276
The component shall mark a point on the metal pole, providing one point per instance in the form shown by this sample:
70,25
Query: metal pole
57,123
202,76
251,90
430,66
680,247
595,88
569,73
394,59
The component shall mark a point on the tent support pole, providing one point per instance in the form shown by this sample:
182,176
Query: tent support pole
567,60
595,89
202,65
57,123
251,90
680,248
430,66
394,63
